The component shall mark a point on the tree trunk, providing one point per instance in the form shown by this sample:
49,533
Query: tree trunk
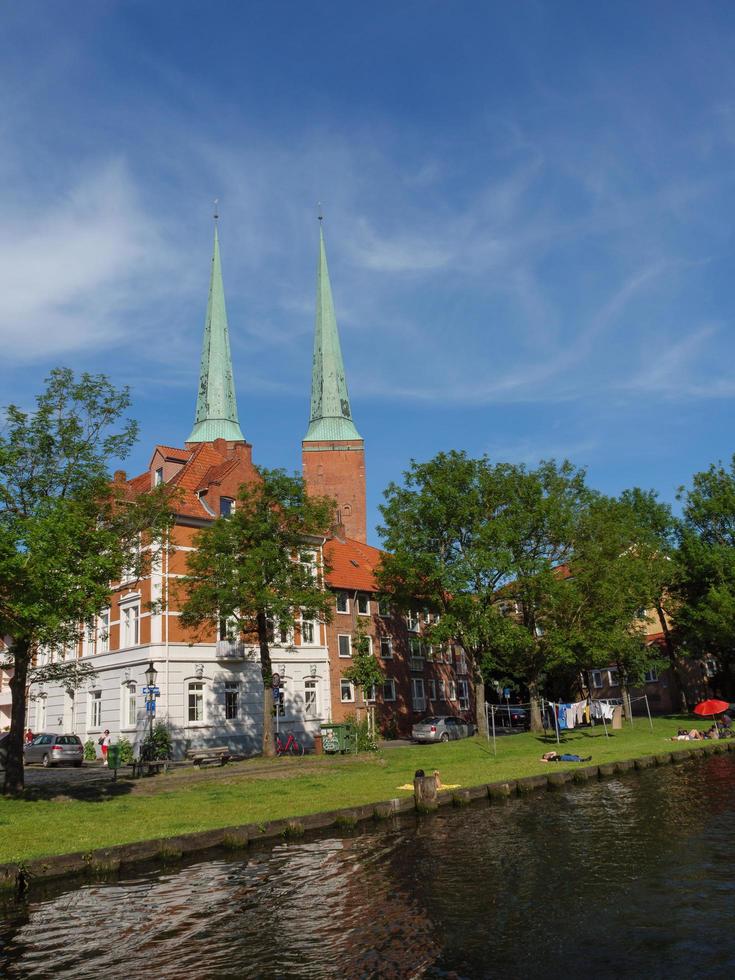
480,718
533,694
266,671
671,653
625,698
14,763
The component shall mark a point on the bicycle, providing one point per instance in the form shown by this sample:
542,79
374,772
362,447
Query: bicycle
291,746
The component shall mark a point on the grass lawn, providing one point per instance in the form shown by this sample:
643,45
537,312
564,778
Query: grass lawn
178,803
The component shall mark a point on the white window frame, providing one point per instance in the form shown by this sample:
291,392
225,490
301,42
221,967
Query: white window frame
129,624
390,683
103,632
232,687
346,686
613,676
95,710
418,694
452,691
231,509
308,626
158,477
432,689
196,687
413,621
441,690
464,695
384,609
129,711
359,596
311,697
345,597
386,644
651,676
596,680
415,654
348,637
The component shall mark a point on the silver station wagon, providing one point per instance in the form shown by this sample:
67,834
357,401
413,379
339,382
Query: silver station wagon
54,750
441,728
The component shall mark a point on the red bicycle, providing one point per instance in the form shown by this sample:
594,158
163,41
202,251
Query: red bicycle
290,747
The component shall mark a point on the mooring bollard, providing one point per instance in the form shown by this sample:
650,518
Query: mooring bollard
424,790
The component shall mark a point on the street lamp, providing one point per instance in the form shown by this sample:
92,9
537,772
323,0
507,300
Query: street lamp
150,675
150,678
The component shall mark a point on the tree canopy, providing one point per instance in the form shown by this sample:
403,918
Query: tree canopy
66,531
254,571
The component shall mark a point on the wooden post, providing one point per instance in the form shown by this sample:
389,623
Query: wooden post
424,791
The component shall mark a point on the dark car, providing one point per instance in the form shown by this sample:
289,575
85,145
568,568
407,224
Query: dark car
54,750
510,716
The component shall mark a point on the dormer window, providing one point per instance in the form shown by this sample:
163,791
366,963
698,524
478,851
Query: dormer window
226,506
158,477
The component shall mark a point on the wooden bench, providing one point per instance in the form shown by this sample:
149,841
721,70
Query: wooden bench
218,754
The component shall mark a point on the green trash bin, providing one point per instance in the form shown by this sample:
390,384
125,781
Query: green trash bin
113,756
338,737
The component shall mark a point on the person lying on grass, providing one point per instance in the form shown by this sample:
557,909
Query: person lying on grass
564,757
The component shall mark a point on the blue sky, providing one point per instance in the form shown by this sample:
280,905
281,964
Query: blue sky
529,220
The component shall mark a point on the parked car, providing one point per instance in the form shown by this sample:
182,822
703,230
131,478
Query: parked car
441,728
53,750
511,716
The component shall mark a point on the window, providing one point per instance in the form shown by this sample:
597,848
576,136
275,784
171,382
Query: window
346,691
441,690
196,702
232,700
464,696
709,667
412,621
418,698
343,602
452,691
650,676
307,560
383,607
95,709
307,631
429,650
614,678
103,632
131,625
311,702
596,678
158,477
363,604
226,506
386,648
432,690
416,661
130,712
389,689
447,654
372,693
344,642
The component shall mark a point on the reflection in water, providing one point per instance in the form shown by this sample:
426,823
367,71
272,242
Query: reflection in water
628,877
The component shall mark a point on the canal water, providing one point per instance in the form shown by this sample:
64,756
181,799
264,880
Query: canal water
627,877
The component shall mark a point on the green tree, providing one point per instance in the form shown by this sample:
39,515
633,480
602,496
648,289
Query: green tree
705,616
365,672
476,541
66,531
247,574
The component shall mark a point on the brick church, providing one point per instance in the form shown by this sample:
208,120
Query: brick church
211,691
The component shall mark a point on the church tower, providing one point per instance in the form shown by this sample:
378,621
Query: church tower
333,452
216,411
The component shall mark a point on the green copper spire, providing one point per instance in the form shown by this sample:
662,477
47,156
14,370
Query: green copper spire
216,414
331,418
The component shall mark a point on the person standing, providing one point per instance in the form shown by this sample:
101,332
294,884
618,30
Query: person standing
105,743
28,737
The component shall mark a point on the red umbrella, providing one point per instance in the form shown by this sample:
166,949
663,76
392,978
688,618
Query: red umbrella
711,707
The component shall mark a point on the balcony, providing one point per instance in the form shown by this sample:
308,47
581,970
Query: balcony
231,650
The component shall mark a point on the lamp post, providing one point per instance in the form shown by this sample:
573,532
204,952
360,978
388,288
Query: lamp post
151,674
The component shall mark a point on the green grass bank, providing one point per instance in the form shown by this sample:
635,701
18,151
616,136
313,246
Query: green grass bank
250,792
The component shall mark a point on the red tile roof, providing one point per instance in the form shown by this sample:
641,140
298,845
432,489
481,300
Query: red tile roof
353,564
170,452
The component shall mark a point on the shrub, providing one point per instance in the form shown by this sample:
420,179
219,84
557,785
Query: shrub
157,744
365,741
90,753
126,751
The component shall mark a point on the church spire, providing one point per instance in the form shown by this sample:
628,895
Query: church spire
331,418
216,411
